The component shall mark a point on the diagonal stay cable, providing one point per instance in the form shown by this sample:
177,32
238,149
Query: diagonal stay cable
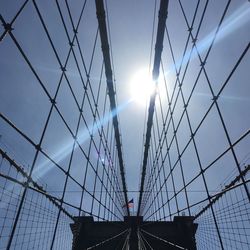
40,150
215,97
109,239
8,26
227,187
204,117
86,86
198,175
53,100
143,239
163,240
28,180
171,98
39,189
214,196
109,76
157,59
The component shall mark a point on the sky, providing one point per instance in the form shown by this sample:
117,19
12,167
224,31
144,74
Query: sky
25,98
132,31
219,64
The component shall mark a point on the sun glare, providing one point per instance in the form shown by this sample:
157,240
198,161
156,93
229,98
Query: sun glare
141,87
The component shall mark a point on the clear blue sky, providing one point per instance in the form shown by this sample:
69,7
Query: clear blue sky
24,102
131,23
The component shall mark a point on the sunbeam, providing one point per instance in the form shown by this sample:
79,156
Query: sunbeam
237,19
42,169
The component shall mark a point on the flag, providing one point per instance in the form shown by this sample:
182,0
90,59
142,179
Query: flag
130,203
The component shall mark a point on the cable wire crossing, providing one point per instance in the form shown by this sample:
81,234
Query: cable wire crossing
111,92
64,70
157,59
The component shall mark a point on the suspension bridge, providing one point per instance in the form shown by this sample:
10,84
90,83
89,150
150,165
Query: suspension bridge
83,165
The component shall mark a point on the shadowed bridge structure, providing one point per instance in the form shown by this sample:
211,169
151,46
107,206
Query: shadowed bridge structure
63,178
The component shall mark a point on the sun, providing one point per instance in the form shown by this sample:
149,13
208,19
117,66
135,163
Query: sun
141,87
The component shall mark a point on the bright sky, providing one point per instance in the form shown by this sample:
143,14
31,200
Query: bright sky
24,103
31,77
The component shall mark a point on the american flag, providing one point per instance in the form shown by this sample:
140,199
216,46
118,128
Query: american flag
130,203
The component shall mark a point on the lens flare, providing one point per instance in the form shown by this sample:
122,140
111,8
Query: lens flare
141,87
